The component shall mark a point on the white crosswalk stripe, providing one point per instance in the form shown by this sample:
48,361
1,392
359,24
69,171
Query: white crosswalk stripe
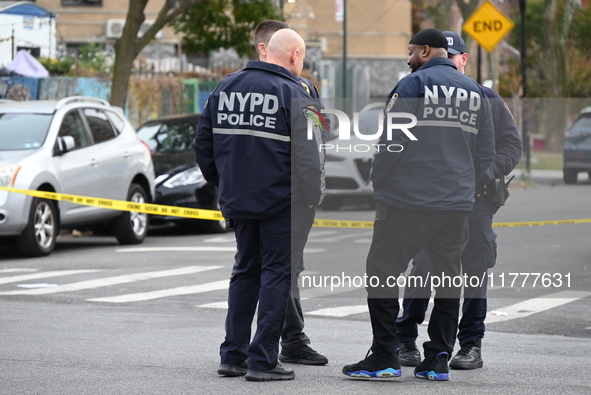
533,306
188,290
104,282
35,276
518,310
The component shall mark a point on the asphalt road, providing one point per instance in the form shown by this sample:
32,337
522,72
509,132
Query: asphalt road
98,318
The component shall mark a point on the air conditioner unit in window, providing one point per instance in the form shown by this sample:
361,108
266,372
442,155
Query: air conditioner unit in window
115,28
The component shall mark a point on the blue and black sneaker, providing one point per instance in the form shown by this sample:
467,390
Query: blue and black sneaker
380,364
434,368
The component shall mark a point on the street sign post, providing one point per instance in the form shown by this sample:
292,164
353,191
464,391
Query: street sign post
488,25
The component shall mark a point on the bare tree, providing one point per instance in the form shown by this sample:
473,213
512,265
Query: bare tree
128,47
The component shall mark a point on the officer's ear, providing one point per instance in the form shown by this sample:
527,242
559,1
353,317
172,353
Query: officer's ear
262,50
425,51
294,57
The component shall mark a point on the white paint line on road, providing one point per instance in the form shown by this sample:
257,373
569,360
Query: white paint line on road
215,305
177,249
342,311
16,270
105,282
340,237
535,305
57,273
314,250
188,290
310,293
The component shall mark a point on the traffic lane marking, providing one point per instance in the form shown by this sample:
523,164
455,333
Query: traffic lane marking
35,276
534,305
177,249
105,282
164,293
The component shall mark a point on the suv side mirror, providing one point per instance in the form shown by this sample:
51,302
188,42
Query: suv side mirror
64,144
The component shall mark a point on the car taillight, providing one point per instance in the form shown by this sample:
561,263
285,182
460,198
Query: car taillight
147,147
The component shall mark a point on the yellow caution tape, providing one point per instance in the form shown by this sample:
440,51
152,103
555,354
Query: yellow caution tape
214,215
156,209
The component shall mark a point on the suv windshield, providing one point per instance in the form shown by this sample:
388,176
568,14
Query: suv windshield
23,131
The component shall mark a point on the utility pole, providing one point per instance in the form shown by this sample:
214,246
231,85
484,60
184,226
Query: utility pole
344,48
524,112
12,45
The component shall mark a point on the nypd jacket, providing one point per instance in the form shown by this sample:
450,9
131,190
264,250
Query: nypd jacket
253,143
435,163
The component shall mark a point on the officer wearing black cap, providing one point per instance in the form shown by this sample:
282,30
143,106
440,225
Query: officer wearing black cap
423,196
481,250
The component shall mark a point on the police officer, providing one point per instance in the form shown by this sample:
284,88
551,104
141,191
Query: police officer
481,250
252,143
294,342
423,195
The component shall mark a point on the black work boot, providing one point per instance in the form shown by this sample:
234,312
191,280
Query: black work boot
277,373
469,357
409,354
304,355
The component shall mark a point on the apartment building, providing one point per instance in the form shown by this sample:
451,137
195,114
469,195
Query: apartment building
101,21
376,40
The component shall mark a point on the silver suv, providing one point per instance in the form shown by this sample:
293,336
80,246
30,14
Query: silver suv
79,146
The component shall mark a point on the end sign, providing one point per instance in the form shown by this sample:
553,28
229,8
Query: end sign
488,25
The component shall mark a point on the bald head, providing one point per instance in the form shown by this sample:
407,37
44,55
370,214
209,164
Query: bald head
287,48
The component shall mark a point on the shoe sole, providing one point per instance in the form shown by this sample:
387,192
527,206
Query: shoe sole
431,375
267,377
302,361
466,366
231,370
389,373
231,373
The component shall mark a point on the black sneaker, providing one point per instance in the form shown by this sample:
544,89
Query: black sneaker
468,357
409,354
304,355
379,364
233,370
277,373
434,368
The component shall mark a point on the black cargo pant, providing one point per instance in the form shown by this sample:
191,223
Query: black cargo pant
480,255
398,236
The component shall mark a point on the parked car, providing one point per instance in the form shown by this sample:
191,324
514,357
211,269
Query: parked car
179,181
79,146
577,147
348,163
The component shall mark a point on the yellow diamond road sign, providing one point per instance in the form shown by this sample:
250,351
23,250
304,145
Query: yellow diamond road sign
488,25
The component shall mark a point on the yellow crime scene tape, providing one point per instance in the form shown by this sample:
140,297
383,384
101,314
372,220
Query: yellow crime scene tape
214,215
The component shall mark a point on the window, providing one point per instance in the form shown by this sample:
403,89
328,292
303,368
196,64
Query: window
72,125
98,3
100,127
116,120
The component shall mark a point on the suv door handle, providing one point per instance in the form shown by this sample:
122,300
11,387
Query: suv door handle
93,163
126,155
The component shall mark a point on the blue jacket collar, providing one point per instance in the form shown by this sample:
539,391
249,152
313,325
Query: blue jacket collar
438,62
273,68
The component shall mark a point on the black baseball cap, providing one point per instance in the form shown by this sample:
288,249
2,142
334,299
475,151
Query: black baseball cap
455,43
431,37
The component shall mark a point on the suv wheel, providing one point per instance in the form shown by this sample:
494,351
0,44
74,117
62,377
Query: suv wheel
132,227
38,238
569,176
